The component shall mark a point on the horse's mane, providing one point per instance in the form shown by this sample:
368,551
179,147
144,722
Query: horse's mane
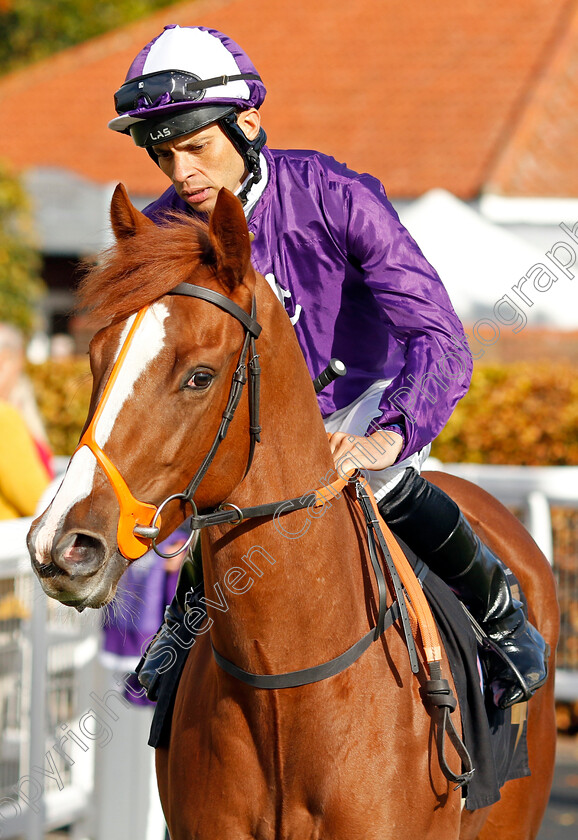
141,268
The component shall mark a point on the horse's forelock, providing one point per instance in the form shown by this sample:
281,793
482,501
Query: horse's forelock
142,268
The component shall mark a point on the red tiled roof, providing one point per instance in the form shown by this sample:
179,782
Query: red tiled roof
420,94
539,158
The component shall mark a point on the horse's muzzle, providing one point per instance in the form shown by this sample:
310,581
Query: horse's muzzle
75,568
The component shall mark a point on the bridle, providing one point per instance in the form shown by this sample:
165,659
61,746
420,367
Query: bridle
140,522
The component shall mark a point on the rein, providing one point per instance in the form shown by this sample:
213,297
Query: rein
385,618
404,579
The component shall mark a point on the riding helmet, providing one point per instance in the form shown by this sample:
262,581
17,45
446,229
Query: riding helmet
185,79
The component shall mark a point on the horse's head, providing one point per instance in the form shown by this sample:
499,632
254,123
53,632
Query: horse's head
163,370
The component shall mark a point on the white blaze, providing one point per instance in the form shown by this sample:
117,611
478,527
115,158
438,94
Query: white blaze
146,344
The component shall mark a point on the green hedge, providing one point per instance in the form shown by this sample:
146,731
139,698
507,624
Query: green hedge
513,414
63,393
521,413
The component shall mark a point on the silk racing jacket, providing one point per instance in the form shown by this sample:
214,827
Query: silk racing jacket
356,287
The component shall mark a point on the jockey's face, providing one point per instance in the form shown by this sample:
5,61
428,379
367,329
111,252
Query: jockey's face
202,162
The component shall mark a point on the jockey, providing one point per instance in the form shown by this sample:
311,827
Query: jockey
355,286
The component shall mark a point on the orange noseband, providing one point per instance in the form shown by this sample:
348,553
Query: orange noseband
132,512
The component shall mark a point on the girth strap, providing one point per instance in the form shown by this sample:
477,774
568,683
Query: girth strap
306,676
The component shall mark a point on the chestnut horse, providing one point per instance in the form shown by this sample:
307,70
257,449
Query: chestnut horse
345,758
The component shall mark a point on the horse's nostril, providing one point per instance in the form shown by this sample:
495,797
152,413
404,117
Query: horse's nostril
83,544
79,554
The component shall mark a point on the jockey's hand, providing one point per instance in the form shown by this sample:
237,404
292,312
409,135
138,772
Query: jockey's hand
375,452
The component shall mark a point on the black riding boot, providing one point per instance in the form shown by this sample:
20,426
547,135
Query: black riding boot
432,525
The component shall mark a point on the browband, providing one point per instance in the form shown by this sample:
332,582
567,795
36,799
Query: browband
222,302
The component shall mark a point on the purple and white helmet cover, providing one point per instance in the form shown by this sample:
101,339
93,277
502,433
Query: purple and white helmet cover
205,53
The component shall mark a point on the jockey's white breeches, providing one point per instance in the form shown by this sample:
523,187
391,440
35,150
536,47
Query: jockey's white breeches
356,418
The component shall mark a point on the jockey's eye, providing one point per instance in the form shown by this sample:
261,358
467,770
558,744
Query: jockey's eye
200,380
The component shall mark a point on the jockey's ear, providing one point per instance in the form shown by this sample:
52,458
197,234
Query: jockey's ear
124,217
229,237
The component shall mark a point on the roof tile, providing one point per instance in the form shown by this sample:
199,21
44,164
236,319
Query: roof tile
538,158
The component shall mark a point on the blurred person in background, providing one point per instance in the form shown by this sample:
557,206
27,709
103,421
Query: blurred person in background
24,460
61,346
16,389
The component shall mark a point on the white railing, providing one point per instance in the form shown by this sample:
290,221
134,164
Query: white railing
73,751
534,491
47,657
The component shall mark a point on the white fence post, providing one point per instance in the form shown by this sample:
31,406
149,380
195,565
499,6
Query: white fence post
38,685
539,523
47,656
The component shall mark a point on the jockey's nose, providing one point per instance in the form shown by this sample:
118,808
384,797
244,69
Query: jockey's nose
183,166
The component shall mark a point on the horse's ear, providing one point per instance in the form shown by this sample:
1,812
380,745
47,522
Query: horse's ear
229,237
126,220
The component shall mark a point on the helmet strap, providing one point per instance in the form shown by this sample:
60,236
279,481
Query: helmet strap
248,149
151,154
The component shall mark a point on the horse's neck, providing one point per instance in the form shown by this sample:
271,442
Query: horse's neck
301,574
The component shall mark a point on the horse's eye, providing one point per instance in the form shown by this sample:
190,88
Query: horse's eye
200,380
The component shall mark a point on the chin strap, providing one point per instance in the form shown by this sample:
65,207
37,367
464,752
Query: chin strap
248,149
